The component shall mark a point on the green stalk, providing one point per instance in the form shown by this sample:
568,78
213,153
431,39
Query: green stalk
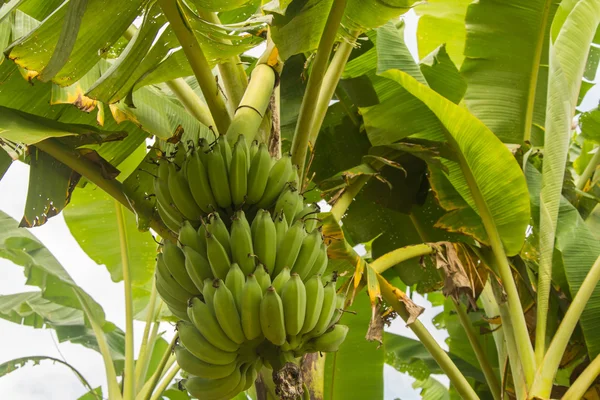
589,170
492,309
253,105
165,383
513,353
232,72
88,169
141,366
439,355
310,99
330,82
129,379
584,381
395,257
517,315
190,101
198,62
341,205
165,362
114,389
544,378
488,372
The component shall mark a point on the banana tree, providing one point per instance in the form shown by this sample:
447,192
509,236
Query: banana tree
469,176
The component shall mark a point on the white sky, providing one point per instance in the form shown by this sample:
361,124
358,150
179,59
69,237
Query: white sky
51,382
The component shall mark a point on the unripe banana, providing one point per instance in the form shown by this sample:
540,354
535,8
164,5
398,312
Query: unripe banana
197,177
223,146
202,240
169,283
251,376
235,390
320,265
288,203
218,178
309,215
314,302
182,197
238,172
161,190
251,299
258,174
290,246
327,310
197,267
171,301
217,227
212,389
262,277
235,283
293,297
175,262
217,256
193,365
209,327
339,309
242,249
330,341
253,149
188,237
281,227
208,292
195,343
227,314
278,176
294,179
170,221
281,279
264,239
310,250
271,317
179,313
203,149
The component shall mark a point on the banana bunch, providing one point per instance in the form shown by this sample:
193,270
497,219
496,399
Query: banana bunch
205,178
248,292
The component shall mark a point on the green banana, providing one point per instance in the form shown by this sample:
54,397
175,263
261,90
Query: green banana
171,223
202,239
251,299
330,341
223,146
288,203
197,267
197,177
278,176
217,256
203,319
188,237
309,215
290,247
281,279
320,265
240,386
217,227
251,376
208,292
264,239
235,282
201,348
212,389
241,237
193,365
327,310
253,149
339,309
310,250
226,312
271,317
281,227
171,301
175,262
181,195
262,277
238,172
218,178
314,303
293,297
179,313
161,190
169,283
294,179
203,149
258,174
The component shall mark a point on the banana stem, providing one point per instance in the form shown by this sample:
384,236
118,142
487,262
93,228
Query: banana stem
589,170
90,170
395,257
457,379
129,376
330,82
252,108
544,377
341,205
190,101
141,366
198,62
165,362
584,381
165,382
310,99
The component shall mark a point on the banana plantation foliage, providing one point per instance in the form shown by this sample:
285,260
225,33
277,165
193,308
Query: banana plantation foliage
274,180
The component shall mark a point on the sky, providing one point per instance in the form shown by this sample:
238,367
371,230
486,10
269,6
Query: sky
51,382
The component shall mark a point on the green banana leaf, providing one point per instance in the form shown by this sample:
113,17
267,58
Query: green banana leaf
590,125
